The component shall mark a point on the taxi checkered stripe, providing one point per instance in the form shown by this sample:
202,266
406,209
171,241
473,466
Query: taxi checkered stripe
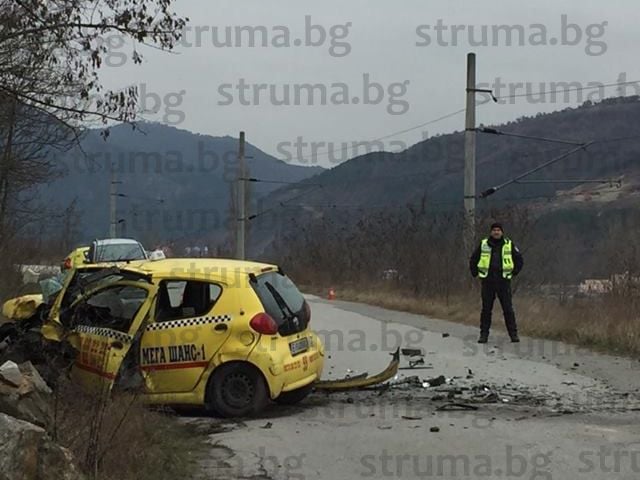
104,332
189,322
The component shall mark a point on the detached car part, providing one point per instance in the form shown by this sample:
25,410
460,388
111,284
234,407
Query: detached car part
352,383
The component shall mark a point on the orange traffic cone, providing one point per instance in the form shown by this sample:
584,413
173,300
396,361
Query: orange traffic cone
332,294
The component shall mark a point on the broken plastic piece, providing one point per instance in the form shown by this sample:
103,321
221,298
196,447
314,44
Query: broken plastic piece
456,406
361,382
412,352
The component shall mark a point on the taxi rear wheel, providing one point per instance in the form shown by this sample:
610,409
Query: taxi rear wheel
294,396
237,390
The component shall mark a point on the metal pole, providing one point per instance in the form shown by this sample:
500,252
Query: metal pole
112,204
470,155
241,212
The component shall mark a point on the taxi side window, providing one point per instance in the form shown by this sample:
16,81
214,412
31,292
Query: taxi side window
179,299
112,307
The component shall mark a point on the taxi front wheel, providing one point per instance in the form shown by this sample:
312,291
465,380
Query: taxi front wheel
237,390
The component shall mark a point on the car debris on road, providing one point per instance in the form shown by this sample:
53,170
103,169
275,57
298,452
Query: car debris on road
362,381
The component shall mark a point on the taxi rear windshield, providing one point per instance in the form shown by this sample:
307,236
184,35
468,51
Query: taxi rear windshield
282,301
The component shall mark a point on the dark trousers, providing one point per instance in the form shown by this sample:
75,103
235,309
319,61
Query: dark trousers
501,288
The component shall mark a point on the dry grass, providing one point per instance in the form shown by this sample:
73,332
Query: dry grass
606,324
133,441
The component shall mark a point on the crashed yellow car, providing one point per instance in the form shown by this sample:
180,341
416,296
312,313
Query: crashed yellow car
224,334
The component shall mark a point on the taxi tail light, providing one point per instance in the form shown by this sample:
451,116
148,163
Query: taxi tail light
67,263
263,323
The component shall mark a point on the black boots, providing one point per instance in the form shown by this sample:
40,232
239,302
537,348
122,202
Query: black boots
485,338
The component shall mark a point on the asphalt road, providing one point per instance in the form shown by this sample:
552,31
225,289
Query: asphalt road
542,410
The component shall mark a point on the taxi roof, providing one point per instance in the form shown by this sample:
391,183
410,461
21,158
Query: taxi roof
199,268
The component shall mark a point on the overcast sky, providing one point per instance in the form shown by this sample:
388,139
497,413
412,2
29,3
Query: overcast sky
406,52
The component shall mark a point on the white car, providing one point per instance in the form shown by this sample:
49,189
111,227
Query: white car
115,250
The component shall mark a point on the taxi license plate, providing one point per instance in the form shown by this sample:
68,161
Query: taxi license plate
299,346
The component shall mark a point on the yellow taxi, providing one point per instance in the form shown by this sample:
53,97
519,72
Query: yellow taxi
224,334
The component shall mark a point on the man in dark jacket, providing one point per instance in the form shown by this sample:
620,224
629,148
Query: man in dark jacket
496,261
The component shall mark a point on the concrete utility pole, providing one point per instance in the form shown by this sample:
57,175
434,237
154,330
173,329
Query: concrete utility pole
470,156
113,222
241,211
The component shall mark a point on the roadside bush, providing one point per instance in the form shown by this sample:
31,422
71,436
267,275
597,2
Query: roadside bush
119,438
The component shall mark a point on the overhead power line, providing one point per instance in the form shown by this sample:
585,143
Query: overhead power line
493,131
575,89
326,152
139,197
517,180
492,190
579,146
258,180
609,181
282,204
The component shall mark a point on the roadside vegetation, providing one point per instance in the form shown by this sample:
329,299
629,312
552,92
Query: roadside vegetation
119,438
603,324
414,261
51,54
51,92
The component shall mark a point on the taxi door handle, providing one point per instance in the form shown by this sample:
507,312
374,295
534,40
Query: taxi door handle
117,345
221,327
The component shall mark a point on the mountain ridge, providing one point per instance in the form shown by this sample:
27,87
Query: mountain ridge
170,183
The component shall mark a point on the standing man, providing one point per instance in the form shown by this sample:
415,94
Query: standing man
496,261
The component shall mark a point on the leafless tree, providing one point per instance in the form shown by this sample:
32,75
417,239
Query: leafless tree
51,52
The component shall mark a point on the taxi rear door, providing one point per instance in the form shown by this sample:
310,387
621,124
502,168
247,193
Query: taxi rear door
192,321
106,323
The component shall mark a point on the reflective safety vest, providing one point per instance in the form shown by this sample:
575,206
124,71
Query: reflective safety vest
485,259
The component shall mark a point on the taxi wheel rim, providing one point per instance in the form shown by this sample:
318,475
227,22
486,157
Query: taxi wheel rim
238,390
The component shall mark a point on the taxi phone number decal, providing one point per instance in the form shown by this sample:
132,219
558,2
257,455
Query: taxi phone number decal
304,363
93,352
